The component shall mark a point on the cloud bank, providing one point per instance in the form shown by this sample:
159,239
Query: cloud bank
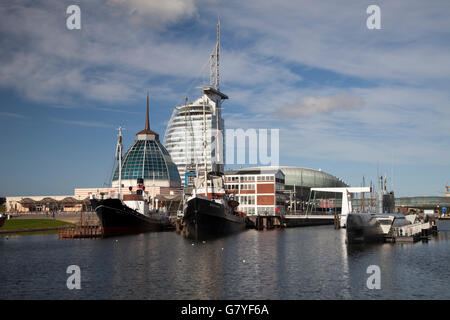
312,105
335,86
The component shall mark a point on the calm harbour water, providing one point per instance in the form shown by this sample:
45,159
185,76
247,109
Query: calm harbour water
298,263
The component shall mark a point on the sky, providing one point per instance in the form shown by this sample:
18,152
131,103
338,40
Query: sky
348,100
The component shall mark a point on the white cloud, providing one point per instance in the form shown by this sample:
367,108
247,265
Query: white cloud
332,35
156,12
104,61
94,124
11,114
311,105
115,60
410,123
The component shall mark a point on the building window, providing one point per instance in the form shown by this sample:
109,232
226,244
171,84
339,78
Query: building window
246,200
265,210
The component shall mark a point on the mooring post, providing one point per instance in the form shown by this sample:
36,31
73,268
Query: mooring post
337,225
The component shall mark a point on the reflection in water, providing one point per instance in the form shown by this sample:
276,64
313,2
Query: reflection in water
344,262
297,263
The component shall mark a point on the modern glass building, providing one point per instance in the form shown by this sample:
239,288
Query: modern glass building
302,179
147,158
185,133
198,122
311,178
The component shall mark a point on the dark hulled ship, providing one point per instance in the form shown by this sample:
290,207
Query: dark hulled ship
133,209
129,215
2,219
371,227
210,212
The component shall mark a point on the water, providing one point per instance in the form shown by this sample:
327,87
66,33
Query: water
299,263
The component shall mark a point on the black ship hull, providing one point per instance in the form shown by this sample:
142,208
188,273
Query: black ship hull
2,221
118,219
363,228
205,218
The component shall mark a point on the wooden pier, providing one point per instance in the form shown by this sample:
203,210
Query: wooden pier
265,222
179,225
78,232
85,228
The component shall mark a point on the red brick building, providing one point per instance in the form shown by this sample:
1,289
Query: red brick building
258,191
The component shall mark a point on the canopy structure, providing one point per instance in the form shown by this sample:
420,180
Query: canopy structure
346,199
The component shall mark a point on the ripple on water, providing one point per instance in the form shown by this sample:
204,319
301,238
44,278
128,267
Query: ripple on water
298,263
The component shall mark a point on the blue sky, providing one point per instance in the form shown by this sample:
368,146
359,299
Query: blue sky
344,97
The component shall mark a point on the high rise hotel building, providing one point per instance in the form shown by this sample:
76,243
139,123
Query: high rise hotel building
197,123
187,129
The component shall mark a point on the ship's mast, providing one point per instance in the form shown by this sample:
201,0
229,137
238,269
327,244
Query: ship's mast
204,143
185,134
119,156
217,54
218,146
147,127
214,83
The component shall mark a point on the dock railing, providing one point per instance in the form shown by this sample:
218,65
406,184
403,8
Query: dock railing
411,230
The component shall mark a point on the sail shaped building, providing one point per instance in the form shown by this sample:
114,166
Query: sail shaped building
197,122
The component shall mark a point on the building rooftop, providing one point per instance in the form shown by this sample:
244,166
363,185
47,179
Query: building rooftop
147,158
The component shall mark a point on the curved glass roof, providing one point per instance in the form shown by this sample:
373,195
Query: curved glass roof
304,177
310,178
147,159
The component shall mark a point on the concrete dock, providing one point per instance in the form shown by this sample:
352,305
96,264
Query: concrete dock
267,222
308,220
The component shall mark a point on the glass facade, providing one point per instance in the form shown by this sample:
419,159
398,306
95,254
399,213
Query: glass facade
184,133
304,177
147,159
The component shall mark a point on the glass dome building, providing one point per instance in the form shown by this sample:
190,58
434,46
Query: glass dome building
147,158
